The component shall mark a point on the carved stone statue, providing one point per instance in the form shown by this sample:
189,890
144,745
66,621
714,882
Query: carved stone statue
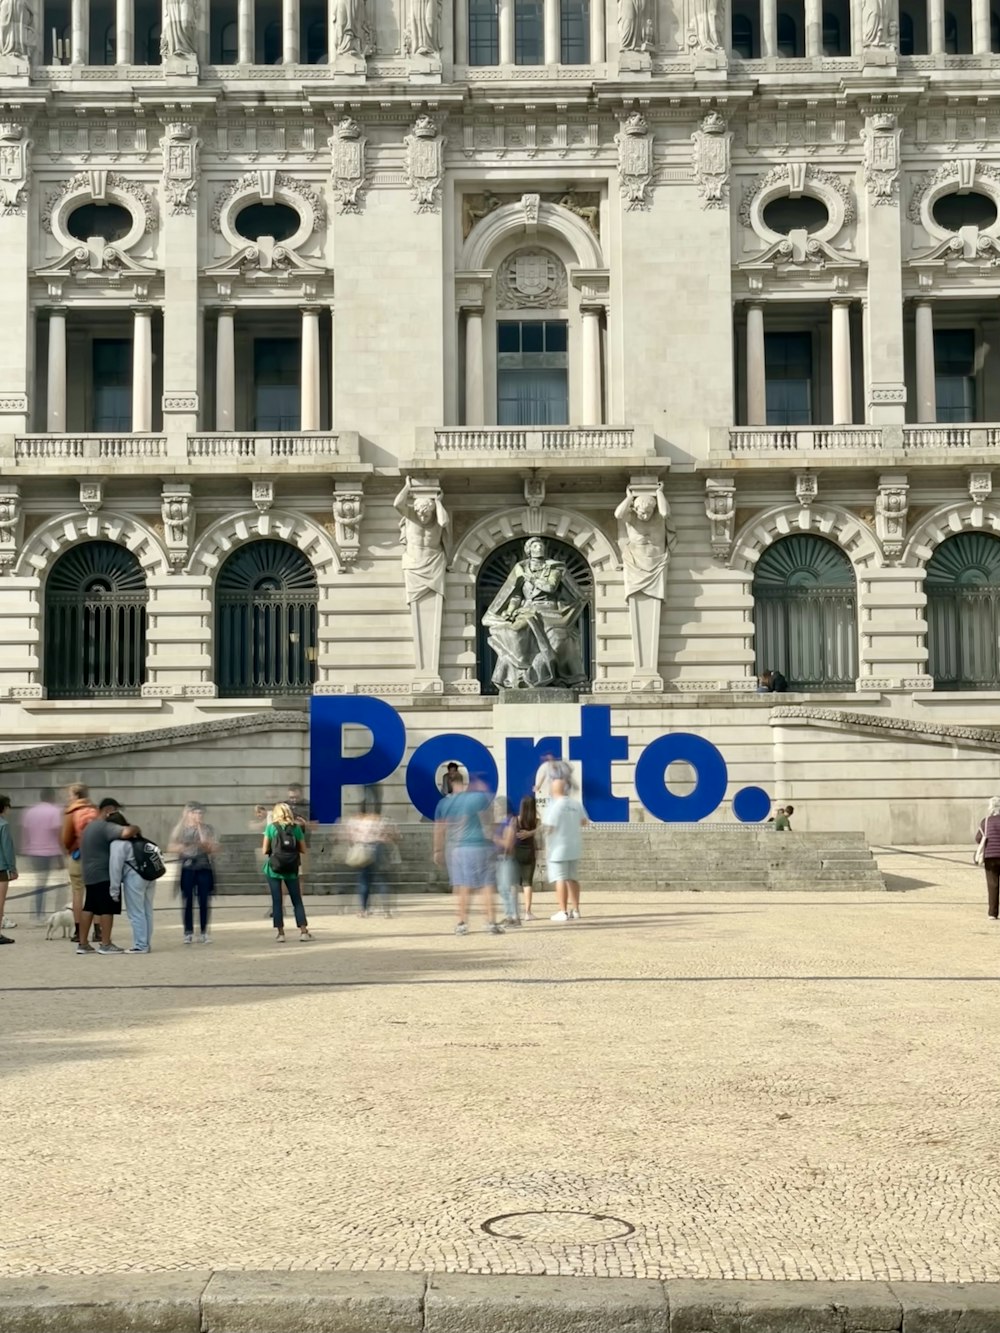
350,28
17,30
534,623
590,213
876,23
706,23
425,27
635,25
424,527
179,28
646,537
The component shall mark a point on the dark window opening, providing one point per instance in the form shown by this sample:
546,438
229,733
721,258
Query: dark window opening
786,214
788,362
532,373
955,374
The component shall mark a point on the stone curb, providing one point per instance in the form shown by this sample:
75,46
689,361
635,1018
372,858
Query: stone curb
323,1302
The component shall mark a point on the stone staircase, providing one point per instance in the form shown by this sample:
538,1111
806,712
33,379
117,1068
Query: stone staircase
645,856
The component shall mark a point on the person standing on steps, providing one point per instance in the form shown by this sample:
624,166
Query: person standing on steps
195,843
988,855
564,819
8,861
284,849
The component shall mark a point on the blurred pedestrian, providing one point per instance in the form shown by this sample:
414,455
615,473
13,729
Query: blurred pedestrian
95,861
128,883
526,849
284,849
462,841
552,770
79,812
8,860
988,855
563,820
41,830
195,843
508,878
452,773
370,840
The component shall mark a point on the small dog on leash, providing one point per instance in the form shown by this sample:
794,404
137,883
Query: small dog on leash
62,918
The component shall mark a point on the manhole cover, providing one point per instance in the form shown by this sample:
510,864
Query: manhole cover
558,1227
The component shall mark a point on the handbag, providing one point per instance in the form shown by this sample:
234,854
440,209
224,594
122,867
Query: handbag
359,855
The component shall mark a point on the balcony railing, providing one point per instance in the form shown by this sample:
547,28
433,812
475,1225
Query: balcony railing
63,448
306,445
753,441
507,441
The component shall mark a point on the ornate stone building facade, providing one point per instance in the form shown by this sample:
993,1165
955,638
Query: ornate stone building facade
314,313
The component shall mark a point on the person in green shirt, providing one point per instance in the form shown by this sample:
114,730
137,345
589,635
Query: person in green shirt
284,849
782,820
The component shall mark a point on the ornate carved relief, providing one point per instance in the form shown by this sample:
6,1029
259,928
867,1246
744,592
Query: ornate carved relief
15,149
891,505
11,525
423,29
534,499
179,35
878,24
262,494
425,163
98,184
177,513
980,487
265,184
636,30
720,510
635,160
881,137
796,176
585,204
531,280
347,153
806,488
348,511
711,152
180,147
91,496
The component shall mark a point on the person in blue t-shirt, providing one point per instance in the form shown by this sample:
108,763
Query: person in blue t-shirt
463,841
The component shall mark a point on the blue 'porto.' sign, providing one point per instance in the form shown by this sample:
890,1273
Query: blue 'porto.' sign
595,749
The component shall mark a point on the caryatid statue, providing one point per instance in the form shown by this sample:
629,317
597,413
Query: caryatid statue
178,29
425,529
17,31
424,33
646,536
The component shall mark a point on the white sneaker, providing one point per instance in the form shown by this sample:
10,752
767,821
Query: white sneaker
461,928
205,938
574,914
529,916
189,939
560,916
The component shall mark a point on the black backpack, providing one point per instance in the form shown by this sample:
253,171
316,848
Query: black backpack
148,860
284,857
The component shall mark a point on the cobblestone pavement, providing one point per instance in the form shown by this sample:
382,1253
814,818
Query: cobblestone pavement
691,1085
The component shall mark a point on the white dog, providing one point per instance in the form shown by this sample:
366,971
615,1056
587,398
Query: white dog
64,918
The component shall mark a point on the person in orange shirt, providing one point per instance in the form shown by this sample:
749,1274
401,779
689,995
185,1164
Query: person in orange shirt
80,811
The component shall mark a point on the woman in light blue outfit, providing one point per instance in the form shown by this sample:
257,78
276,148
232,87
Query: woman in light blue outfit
508,878
138,892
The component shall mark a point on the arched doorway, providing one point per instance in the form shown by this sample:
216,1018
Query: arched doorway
492,575
963,612
95,623
805,613
266,621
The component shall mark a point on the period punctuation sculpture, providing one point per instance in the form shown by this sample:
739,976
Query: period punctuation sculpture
534,624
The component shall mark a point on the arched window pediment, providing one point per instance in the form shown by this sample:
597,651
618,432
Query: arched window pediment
963,612
95,623
267,621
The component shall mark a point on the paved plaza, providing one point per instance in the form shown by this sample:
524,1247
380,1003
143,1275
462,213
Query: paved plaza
692,1085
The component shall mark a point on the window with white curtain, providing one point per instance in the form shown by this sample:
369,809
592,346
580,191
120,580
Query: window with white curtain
532,373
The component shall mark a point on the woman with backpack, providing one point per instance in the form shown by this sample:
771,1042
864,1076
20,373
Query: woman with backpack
195,844
284,849
127,855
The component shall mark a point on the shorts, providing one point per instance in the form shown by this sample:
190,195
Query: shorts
75,872
472,867
99,900
558,870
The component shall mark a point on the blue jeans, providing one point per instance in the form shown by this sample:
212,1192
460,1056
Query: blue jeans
508,883
277,915
139,908
372,876
194,881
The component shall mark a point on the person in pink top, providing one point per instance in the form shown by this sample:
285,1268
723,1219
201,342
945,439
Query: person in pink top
40,828
988,855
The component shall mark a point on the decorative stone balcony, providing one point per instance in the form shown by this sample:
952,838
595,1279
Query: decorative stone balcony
778,441
802,444
171,452
97,448
489,445
304,446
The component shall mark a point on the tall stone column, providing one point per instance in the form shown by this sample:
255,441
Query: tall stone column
926,379
142,368
225,371
17,339
290,32
55,415
885,381
814,28
80,32
475,389
183,318
506,25
460,42
843,410
124,33
935,27
591,356
981,43
310,418
552,34
768,28
598,32
245,31
756,374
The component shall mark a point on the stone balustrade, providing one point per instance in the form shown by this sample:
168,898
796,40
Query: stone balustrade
63,448
755,441
305,445
505,441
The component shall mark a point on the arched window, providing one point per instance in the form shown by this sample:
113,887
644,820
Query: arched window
266,621
742,31
788,36
831,34
906,47
963,612
95,623
492,576
805,614
950,34
228,45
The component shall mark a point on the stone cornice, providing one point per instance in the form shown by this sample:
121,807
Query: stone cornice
987,738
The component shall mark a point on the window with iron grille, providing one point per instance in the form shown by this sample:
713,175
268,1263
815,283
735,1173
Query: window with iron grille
963,612
266,621
805,614
95,623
